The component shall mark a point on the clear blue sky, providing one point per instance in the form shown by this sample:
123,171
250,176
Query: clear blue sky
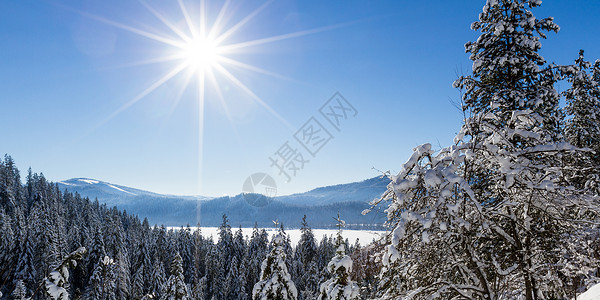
64,72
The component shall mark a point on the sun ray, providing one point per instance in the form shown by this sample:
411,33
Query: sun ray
187,18
243,87
151,61
202,19
145,92
201,95
229,47
219,39
215,84
237,63
137,31
165,21
183,87
215,28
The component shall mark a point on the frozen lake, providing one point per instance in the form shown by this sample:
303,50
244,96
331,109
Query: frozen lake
364,237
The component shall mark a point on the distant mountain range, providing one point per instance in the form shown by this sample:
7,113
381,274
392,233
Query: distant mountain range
320,205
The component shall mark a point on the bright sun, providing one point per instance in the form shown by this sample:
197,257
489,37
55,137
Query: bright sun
201,53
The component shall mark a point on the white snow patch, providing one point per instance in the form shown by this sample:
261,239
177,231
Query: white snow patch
122,190
89,181
365,237
592,294
340,261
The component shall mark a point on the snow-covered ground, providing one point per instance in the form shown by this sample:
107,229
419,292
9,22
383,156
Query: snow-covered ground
592,294
364,236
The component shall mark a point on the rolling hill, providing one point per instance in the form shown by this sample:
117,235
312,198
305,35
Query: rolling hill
319,204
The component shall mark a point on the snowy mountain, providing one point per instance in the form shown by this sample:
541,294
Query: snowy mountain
95,188
320,204
158,208
362,191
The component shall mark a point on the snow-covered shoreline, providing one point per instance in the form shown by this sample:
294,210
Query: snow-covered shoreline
364,237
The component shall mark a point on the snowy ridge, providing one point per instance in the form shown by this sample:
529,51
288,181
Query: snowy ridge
320,204
122,190
89,181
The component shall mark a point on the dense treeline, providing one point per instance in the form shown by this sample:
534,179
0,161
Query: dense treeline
129,259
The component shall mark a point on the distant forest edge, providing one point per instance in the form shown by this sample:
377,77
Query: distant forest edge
320,204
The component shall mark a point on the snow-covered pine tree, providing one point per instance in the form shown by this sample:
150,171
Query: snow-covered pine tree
25,270
96,252
114,235
307,246
123,274
20,292
366,267
339,286
56,282
287,247
482,219
142,273
239,245
175,288
582,127
7,244
56,230
436,220
275,281
507,68
185,243
311,280
214,273
200,289
325,252
257,251
515,164
225,243
582,169
138,284
102,283
157,278
10,184
305,260
199,253
235,282
47,228
163,250
78,235
242,273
